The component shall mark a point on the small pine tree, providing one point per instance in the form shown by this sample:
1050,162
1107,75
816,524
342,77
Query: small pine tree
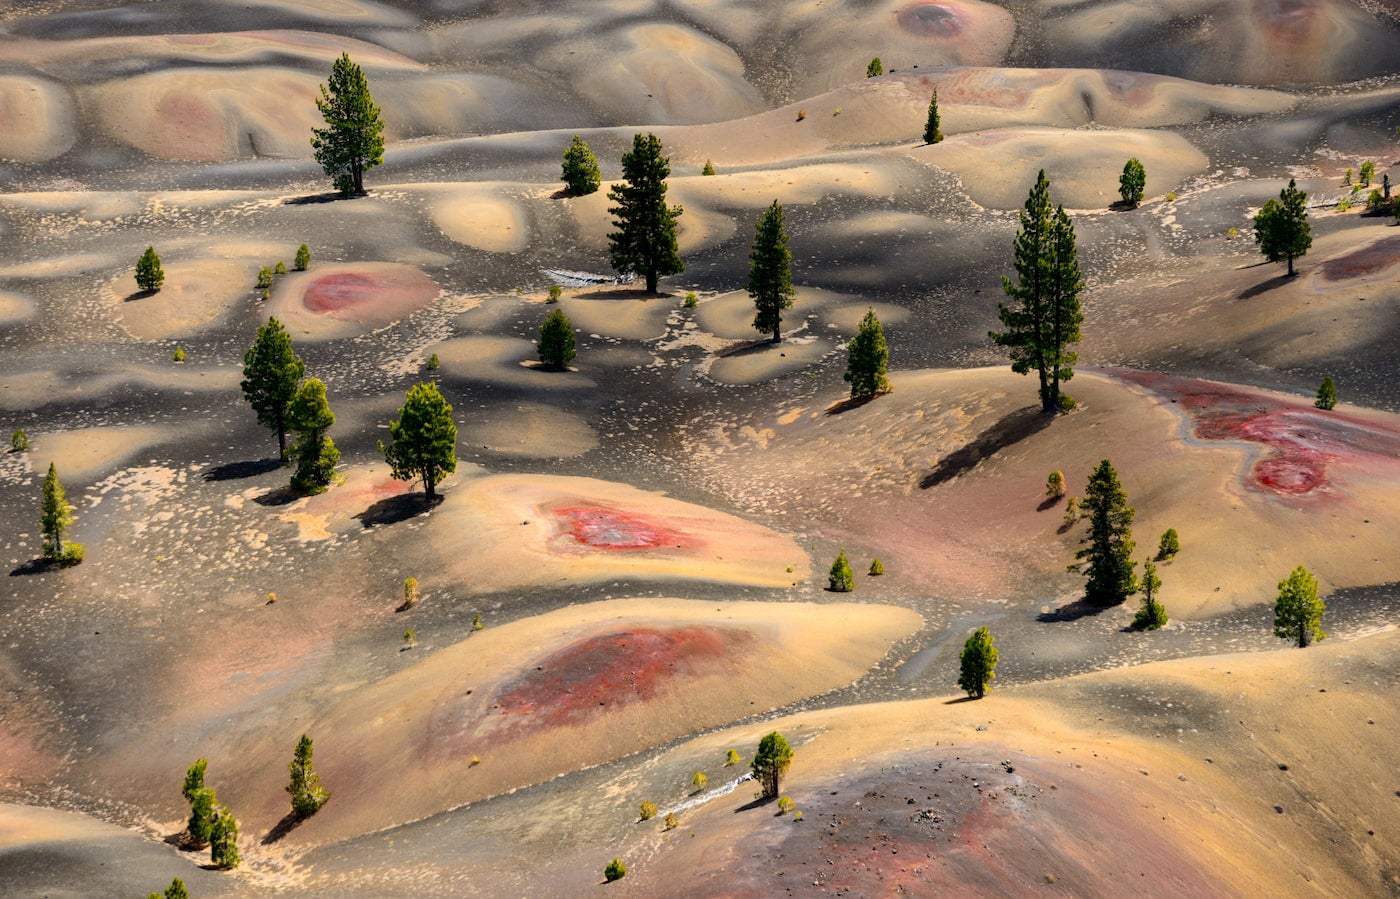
1298,610
931,133
264,278
1168,546
645,241
877,568
708,169
557,342
1072,514
555,292
731,757
700,781
647,810
868,359
1055,485
410,639
200,827
423,439
978,663
770,763
57,517
1151,616
875,69
1368,171
1346,179
310,416
672,822
1281,227
176,890
307,793
410,592
179,355
1108,556
1326,394
841,579
223,840
19,441
615,870
770,273
352,142
303,258
1132,182
149,275
271,375
434,363
581,174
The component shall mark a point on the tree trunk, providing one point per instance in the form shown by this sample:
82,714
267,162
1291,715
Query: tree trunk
359,180
651,283
282,442
778,333
429,485
1290,266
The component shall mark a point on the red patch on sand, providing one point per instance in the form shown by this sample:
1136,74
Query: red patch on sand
939,20
602,528
370,296
1301,443
1364,262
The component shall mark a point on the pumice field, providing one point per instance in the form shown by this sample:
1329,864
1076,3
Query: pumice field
703,448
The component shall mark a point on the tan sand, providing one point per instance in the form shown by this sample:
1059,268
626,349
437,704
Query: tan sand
85,454
476,217
37,120
21,824
346,299
504,360
15,307
765,361
198,294
534,431
629,319
730,315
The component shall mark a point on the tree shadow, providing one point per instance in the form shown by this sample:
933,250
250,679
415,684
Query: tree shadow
312,199
959,700
140,295
1122,206
33,566
237,471
290,822
282,496
1048,503
1264,287
759,802
395,509
849,403
748,348
1012,428
628,293
1071,611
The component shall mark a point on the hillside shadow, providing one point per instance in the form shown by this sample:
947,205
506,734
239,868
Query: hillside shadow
748,348
237,471
1049,503
1072,611
1011,429
395,509
1264,287
959,700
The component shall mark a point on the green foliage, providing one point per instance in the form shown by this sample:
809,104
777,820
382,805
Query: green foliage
581,174
875,69
770,763
1171,196
555,292
271,373
708,169
310,416
1374,200
19,441
434,363
476,623
1072,513
1368,171
557,341
1281,227
691,300
931,133
647,810
1343,205
977,663
672,822
264,278
1168,546
770,273
797,815
1298,610
1055,485
645,240
178,355
303,259
56,517
410,592
877,568
1046,316
700,781
305,788
615,870
1346,179
1151,615
841,578
200,826
410,639
1109,555
731,757
801,114
1326,394
1232,233
785,805
423,440
223,840
176,890
1132,182
194,778
352,142
868,359
149,275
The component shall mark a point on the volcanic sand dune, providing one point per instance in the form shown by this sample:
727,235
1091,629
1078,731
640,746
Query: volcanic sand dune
477,216
15,308
36,388
38,117
197,295
730,315
765,360
523,702
343,300
630,319
84,454
503,361
698,228
947,474
534,431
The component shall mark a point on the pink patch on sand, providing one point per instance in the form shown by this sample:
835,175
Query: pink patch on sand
601,528
370,297
937,20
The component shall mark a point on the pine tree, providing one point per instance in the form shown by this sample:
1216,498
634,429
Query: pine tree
581,174
770,763
875,69
57,517
841,579
303,258
1326,394
307,793
1281,227
868,358
557,342
352,142
203,803
645,240
1132,182
423,440
1168,546
977,663
708,169
271,373
149,275
1109,555
310,416
223,840
770,273
1298,610
931,133
1151,616
176,890
1046,317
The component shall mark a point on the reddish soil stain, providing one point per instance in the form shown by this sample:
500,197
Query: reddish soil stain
1300,443
931,20
602,528
361,295
335,293
1363,262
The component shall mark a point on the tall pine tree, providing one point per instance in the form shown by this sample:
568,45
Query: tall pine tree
353,140
271,373
1281,227
770,273
315,454
645,240
580,173
868,358
423,439
307,793
56,518
931,133
1046,316
1109,555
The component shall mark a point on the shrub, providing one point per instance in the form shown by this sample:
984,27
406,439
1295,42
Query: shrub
1232,233
1055,485
264,278
474,761
797,815
1326,394
801,114
836,111
476,623
1171,196
1071,511
1344,205
19,441
303,259
615,870
1346,178
223,840
647,810
410,592
434,363
700,781
555,292
1374,200
691,300
580,174
410,639
557,342
785,805
1169,545
672,822
875,69
877,568
978,662
72,554
841,578
770,763
1151,615
709,168
305,788
178,355
1368,171
731,758
149,275
280,268
1132,182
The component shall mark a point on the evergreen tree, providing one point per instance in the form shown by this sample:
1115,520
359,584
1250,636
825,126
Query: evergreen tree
645,240
57,517
875,69
423,440
1367,172
1055,485
1326,394
770,763
770,273
194,778
1168,546
581,174
977,663
1151,616
1281,227
203,805
931,133
1046,318
709,168
307,793
149,275
223,840
303,259
176,890
310,416
271,373
557,341
352,142
1109,555
1298,610
614,870
868,358
1132,182
841,578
